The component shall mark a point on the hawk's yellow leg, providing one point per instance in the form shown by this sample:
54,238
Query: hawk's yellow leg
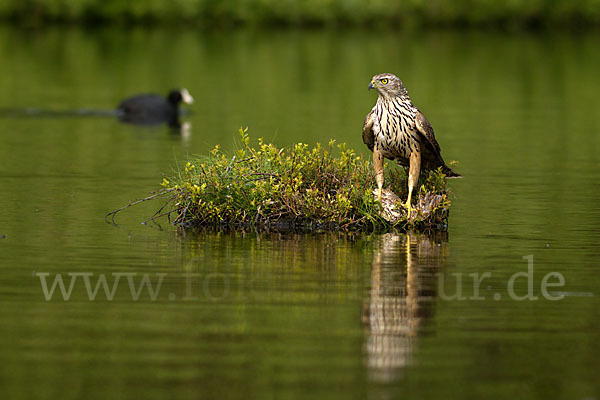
413,176
378,167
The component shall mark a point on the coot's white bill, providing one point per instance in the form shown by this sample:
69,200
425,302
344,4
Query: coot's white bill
186,96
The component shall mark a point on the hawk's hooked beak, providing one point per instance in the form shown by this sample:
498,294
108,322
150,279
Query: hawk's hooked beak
371,86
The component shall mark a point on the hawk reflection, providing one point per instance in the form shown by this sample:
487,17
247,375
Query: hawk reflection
402,287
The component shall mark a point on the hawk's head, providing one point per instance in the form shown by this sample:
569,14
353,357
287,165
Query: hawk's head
388,85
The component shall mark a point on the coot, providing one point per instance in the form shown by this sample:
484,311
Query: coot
153,108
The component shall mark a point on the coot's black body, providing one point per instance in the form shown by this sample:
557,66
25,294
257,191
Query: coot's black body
153,108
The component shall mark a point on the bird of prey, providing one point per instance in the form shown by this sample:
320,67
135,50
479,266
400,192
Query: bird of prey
395,129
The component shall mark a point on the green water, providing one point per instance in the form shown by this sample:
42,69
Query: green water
299,316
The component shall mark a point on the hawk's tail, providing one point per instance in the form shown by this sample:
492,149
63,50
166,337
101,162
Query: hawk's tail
449,172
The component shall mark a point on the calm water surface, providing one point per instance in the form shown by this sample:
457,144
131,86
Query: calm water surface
299,316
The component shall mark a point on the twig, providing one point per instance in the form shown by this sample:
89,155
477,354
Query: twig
154,217
352,222
112,214
263,174
230,165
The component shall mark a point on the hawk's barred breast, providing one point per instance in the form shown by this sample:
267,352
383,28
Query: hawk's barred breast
394,129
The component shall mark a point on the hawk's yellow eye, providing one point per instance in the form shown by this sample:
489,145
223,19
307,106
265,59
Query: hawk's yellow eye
384,81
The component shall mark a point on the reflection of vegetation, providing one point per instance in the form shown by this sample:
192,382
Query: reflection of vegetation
270,187
402,287
276,12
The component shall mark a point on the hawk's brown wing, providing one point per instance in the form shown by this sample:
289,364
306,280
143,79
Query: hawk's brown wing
367,131
426,130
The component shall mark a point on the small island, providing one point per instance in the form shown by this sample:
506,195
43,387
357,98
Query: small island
296,189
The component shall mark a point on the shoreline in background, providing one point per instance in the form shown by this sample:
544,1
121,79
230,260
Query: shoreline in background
336,13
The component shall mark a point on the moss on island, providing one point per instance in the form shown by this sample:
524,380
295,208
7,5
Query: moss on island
297,188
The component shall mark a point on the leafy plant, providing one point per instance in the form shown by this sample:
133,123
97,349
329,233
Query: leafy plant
323,187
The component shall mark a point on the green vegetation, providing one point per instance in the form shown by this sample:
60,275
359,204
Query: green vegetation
297,188
307,12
